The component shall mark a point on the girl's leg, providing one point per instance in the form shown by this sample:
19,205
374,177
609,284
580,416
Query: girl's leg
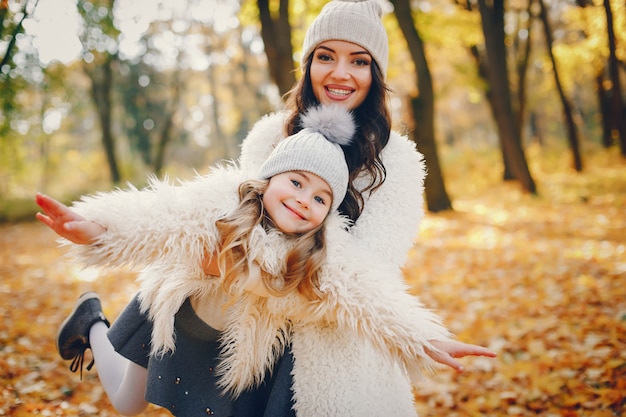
123,380
85,328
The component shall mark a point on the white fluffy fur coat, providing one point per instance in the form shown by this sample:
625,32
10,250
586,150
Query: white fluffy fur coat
355,352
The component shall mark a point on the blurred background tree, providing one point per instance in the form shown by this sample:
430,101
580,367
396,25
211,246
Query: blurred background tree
95,93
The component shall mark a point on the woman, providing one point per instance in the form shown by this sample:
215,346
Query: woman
323,372
344,61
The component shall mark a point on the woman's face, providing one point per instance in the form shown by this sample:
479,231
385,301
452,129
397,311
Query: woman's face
297,201
341,73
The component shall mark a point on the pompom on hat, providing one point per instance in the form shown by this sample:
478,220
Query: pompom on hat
356,21
317,149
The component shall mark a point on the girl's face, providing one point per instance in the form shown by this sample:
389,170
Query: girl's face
297,201
341,73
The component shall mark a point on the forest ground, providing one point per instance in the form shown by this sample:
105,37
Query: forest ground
539,279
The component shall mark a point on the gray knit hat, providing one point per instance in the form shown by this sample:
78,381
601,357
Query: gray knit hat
356,21
316,149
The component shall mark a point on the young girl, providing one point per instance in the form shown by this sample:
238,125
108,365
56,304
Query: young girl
167,230
268,232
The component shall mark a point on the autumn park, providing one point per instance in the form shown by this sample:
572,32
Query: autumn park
518,106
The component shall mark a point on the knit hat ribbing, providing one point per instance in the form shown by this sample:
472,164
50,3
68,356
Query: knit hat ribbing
356,21
316,149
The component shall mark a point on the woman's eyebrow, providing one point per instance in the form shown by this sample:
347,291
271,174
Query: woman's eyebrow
362,52
326,47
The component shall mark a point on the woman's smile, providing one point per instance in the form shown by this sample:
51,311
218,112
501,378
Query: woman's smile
341,72
339,93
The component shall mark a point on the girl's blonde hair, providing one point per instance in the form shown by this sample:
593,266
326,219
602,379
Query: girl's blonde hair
302,263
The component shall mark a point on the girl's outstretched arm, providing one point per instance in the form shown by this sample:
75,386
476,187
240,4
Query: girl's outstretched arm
134,227
65,222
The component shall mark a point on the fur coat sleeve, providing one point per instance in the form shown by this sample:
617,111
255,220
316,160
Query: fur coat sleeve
163,230
391,216
160,221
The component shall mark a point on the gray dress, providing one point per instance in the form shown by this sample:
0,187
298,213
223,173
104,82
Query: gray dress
184,382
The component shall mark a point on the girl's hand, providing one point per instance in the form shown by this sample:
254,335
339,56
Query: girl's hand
65,222
450,350
209,264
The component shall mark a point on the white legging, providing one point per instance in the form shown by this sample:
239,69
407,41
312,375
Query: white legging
123,380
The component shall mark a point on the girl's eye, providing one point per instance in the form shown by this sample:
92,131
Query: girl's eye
320,200
296,183
361,62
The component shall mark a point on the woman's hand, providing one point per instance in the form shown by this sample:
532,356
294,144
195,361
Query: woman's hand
65,222
450,350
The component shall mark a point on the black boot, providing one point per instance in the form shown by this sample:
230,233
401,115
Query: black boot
73,336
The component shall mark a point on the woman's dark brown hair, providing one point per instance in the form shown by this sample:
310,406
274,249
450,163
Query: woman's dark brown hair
373,122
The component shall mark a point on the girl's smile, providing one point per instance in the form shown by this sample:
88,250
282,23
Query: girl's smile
294,211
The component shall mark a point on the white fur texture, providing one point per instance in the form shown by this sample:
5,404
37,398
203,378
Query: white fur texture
333,372
362,299
355,350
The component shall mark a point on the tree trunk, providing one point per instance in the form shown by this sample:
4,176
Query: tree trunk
567,108
522,69
605,109
220,142
618,122
276,34
492,19
483,73
165,135
434,186
100,72
18,29
535,130
422,109
101,77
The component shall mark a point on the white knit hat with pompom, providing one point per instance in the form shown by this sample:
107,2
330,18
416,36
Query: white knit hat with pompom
317,149
356,21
